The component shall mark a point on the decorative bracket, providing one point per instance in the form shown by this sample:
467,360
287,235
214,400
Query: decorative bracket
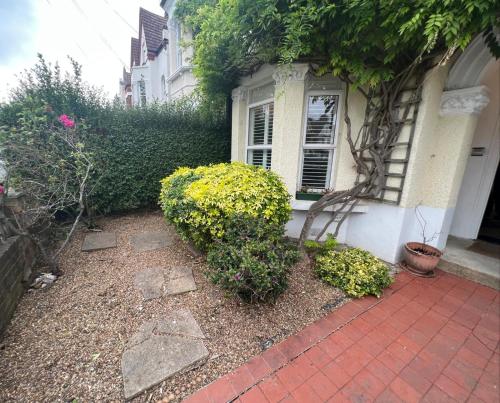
294,72
239,94
464,101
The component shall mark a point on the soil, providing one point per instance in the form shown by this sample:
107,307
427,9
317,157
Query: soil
65,341
425,252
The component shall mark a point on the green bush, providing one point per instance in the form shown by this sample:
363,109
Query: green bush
138,147
237,213
202,203
355,271
250,261
314,248
133,149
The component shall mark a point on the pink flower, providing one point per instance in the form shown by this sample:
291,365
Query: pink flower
66,121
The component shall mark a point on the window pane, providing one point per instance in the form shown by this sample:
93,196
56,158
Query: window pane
270,123
315,169
260,158
321,113
261,125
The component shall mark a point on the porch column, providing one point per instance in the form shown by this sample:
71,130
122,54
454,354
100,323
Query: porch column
239,124
288,122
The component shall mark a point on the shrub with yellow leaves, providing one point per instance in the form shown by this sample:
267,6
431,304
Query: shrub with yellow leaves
202,202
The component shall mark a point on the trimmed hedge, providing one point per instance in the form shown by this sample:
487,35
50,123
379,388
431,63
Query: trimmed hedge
136,148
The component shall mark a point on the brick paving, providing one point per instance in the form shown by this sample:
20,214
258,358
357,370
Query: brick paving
429,340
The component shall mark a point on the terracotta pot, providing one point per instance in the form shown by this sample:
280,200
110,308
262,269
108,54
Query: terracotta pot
422,259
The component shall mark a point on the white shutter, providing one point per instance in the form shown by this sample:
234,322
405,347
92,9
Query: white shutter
260,136
319,141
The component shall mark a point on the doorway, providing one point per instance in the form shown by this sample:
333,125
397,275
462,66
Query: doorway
490,225
476,211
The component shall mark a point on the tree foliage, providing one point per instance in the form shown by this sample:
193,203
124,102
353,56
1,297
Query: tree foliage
369,41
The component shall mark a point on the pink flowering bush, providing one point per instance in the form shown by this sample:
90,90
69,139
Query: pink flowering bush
66,121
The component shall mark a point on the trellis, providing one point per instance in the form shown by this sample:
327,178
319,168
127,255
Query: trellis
396,161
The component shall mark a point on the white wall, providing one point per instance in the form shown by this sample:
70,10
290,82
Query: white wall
481,169
437,160
141,73
180,78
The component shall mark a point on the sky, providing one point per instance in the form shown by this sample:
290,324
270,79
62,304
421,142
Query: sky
96,33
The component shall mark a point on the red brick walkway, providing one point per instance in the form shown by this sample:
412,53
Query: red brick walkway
432,340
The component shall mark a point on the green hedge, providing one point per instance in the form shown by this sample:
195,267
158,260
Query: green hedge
136,148
133,148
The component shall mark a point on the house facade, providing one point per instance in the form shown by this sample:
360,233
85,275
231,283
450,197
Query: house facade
289,121
160,69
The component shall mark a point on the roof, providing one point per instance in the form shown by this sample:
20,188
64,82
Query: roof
135,52
153,25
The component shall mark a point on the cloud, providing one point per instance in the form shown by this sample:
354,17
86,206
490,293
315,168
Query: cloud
16,29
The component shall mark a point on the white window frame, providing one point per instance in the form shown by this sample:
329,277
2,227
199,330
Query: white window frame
330,183
266,146
143,99
178,49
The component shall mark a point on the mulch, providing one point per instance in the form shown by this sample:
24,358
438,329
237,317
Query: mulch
65,341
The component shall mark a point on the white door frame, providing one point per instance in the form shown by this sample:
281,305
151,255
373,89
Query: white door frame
490,170
474,212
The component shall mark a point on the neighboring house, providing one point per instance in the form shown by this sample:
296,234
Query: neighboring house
160,67
289,121
180,79
126,88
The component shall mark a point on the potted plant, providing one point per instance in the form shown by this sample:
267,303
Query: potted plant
420,258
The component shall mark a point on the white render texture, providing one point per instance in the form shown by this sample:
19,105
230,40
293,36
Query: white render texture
439,154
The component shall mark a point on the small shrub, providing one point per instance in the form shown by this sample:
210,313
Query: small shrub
314,247
203,202
355,271
250,262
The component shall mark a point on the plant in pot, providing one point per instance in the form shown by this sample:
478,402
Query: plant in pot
420,258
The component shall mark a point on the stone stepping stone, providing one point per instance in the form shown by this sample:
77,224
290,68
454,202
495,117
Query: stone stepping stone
160,349
153,282
98,241
151,241
180,280
150,282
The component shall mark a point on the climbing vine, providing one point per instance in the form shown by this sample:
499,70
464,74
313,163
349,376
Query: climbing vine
380,47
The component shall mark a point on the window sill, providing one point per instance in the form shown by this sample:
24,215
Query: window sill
181,70
308,196
303,205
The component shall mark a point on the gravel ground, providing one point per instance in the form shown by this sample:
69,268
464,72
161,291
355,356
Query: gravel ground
65,342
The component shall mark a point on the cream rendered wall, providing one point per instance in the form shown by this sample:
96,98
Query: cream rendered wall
141,73
435,169
345,167
288,122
